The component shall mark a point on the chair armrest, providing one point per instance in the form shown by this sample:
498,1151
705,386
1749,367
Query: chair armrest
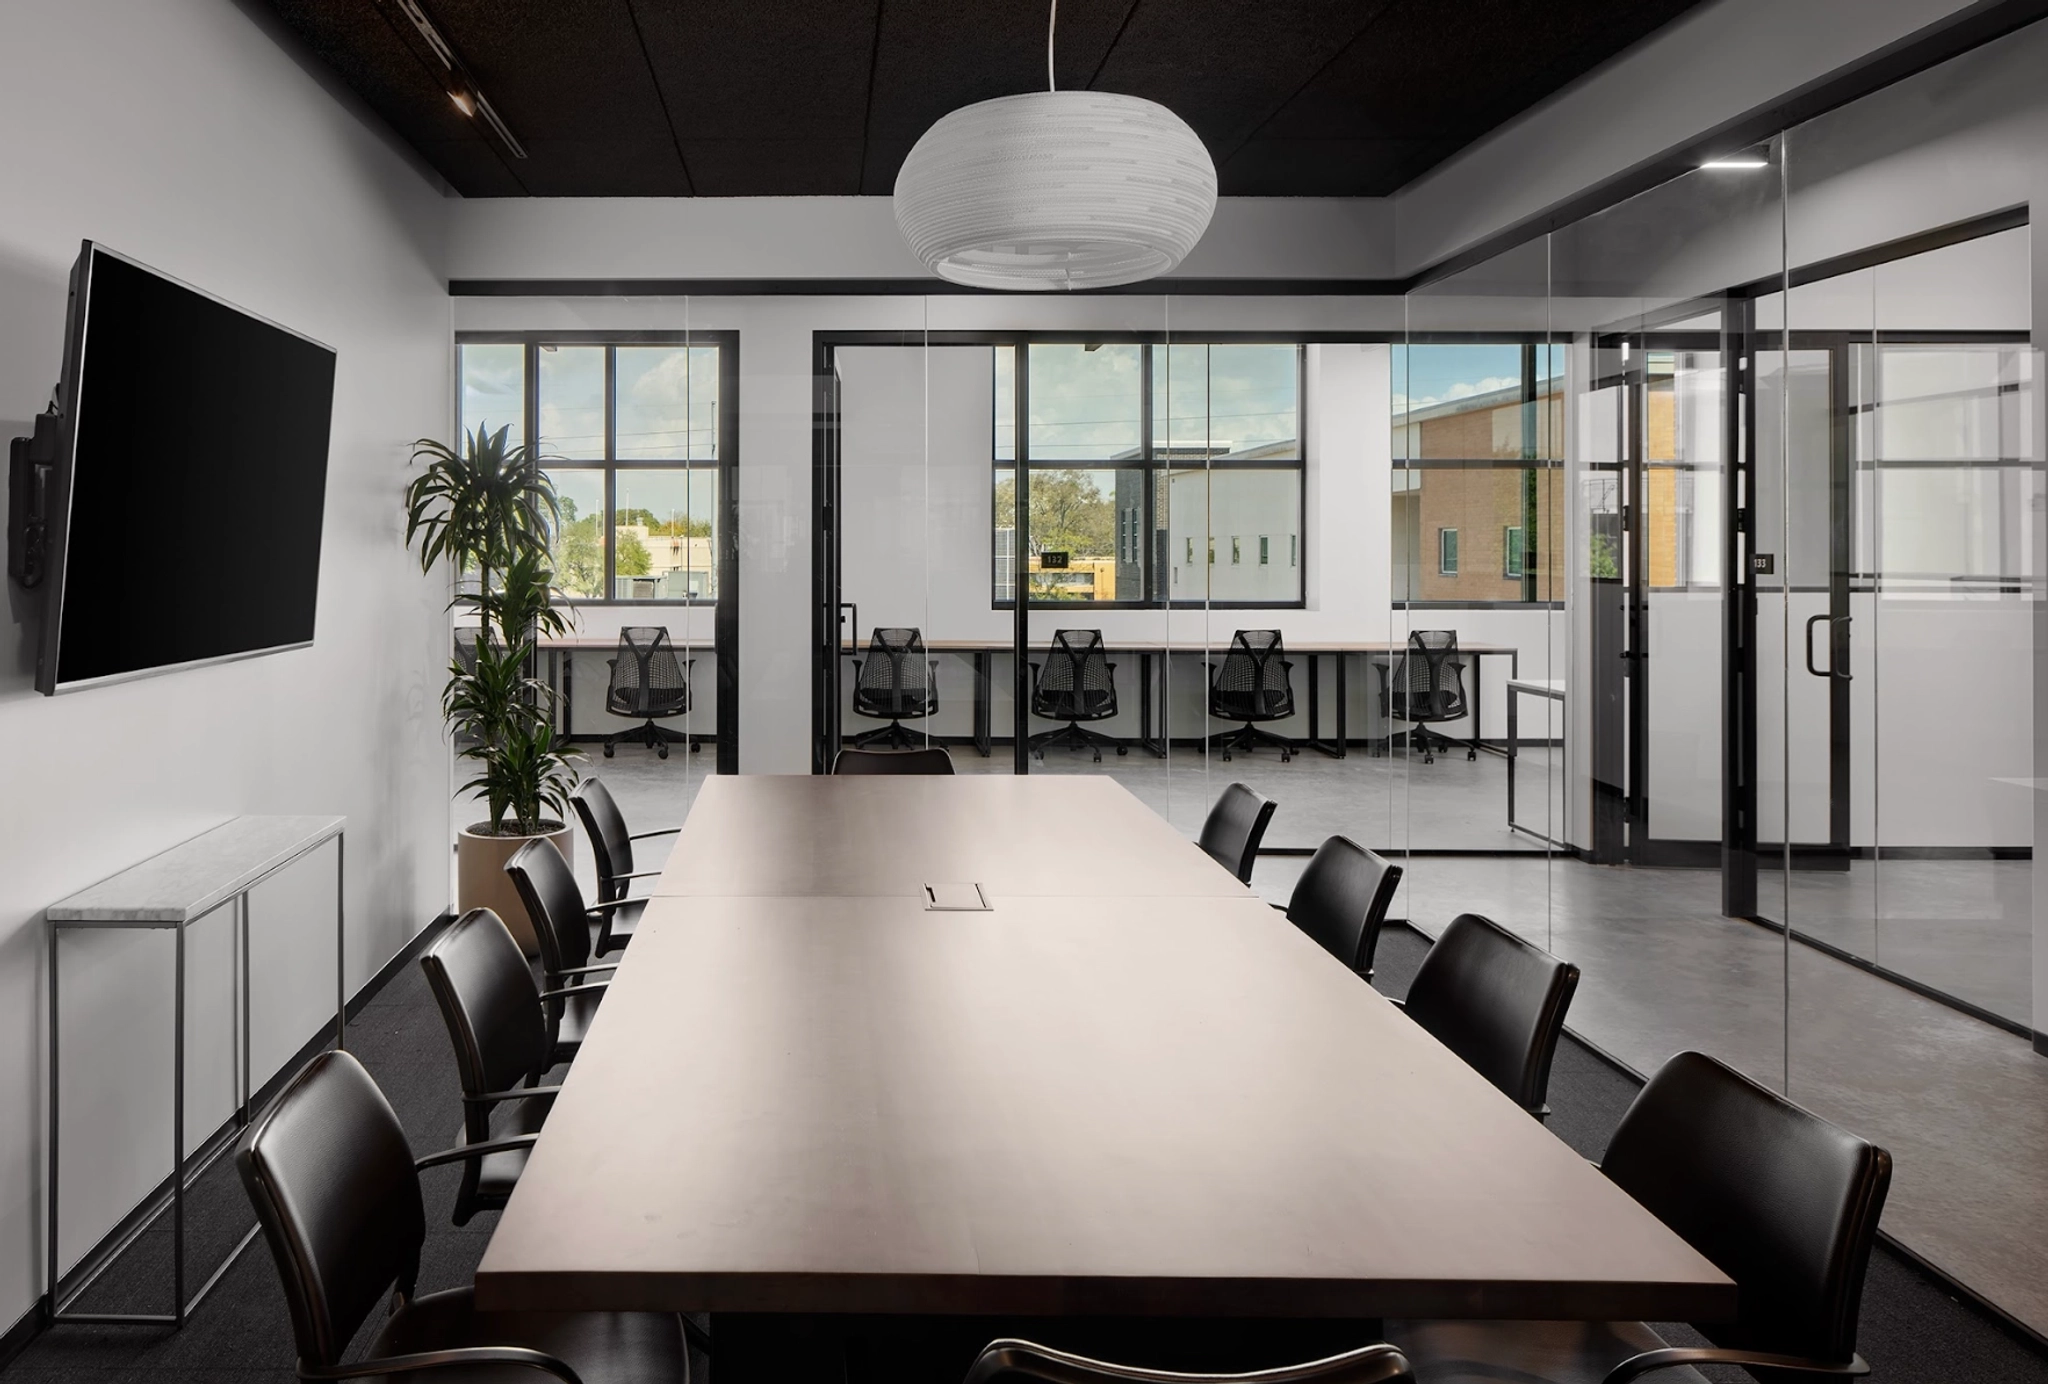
1374,1364
522,1093
638,874
612,903
659,831
1401,1005
570,990
1673,1356
462,1151
441,1359
589,970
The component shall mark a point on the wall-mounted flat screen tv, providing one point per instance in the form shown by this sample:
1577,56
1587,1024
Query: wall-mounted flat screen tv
189,479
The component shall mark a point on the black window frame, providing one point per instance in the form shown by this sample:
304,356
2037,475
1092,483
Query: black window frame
724,465
1146,461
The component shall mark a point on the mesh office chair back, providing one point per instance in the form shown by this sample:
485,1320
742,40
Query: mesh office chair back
895,678
1251,683
1075,683
1781,1201
647,678
1429,683
1342,898
1496,1001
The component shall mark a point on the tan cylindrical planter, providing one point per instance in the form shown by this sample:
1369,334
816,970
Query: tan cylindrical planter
481,881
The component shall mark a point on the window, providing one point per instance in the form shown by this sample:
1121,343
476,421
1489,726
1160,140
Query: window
1132,452
1265,550
1477,430
637,445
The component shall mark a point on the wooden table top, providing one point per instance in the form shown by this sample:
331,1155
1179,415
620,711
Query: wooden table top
1034,834
1067,1105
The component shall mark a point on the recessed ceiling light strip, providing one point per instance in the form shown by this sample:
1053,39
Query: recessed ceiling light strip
462,88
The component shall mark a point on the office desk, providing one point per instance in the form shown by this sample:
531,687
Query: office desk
561,676
1153,706
1549,689
1070,1105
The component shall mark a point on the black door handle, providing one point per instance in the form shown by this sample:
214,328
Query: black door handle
1810,623
1830,671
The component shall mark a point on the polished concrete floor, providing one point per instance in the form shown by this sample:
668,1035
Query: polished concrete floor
1962,1104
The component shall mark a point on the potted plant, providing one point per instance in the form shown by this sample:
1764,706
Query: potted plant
490,509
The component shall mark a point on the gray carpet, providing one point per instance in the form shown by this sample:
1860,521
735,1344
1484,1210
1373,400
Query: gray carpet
1913,1328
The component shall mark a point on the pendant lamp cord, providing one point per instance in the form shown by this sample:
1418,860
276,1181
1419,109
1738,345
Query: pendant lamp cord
1051,24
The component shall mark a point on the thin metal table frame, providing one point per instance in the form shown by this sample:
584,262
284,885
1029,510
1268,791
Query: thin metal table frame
182,1178
1549,690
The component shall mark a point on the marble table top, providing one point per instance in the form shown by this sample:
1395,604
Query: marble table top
175,886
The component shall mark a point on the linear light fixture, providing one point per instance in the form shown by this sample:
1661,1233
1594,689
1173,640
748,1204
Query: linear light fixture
1737,163
462,88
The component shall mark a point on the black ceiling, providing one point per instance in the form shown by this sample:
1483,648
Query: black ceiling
743,98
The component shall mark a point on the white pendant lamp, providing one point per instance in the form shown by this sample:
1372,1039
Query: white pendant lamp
1055,190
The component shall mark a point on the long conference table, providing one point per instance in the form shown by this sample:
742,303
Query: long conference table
1128,1090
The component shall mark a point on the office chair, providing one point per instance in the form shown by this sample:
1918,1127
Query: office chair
337,1192
1781,1201
497,1022
648,680
1425,687
1341,900
1496,1001
611,847
1076,683
932,761
567,929
1251,685
1021,1362
1234,828
895,682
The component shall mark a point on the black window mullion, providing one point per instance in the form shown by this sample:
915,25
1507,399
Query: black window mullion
608,539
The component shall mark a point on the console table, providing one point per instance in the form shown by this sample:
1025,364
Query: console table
174,889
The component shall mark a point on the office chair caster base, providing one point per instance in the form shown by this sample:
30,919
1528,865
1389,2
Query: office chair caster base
1121,751
1471,755
607,749
661,750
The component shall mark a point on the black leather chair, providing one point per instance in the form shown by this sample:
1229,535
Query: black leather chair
1425,688
1233,829
896,682
1014,1362
649,682
498,1024
1780,1200
1342,898
1076,683
611,848
337,1192
1250,686
931,761
567,929
1498,1002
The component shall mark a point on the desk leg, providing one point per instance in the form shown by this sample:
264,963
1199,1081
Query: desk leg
984,672
242,907
1512,753
178,1136
1334,749
1155,741
1343,710
340,948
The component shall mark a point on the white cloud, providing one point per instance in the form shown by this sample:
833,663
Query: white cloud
1462,390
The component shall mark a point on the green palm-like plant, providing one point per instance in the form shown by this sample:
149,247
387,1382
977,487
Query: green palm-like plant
490,509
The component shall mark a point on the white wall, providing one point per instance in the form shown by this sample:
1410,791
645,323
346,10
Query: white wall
181,133
856,237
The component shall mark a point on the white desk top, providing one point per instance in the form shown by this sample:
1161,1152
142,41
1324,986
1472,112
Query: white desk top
173,887
1540,687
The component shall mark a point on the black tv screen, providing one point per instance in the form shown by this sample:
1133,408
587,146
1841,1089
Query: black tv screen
190,480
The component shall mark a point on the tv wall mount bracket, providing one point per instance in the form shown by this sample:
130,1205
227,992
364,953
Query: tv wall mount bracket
31,462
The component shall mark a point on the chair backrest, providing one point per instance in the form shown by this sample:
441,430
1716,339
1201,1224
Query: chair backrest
1016,1362
1251,683
895,677
647,678
561,920
1429,683
487,997
611,840
331,1177
1234,828
1781,1201
1496,1001
1075,683
1342,898
929,761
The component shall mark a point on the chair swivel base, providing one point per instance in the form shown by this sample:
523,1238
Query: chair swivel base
895,735
656,738
1250,737
1429,740
1077,736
